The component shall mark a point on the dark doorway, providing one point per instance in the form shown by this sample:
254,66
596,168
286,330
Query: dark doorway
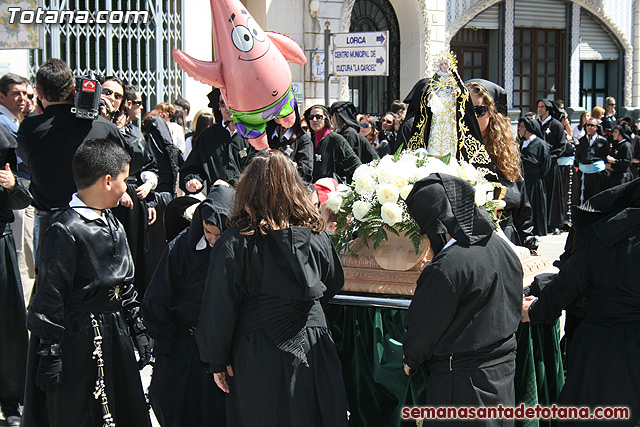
374,94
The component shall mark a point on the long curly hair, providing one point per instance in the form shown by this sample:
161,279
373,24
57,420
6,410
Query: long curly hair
499,142
271,196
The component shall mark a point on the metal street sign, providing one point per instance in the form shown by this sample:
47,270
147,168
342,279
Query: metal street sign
361,54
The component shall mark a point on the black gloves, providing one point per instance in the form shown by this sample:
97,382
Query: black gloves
143,345
49,370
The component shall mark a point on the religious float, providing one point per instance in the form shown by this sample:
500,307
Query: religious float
381,268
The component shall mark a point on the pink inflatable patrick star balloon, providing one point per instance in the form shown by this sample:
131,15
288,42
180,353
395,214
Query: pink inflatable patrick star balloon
250,69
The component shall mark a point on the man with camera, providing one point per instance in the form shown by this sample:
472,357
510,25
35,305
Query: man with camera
47,142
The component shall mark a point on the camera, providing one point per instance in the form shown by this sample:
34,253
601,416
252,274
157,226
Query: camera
87,102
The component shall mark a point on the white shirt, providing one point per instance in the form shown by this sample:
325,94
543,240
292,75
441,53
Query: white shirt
85,212
577,133
542,123
202,244
4,110
528,141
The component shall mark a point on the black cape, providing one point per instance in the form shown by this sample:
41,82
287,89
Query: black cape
262,315
604,352
300,150
466,307
350,131
536,162
84,267
334,158
556,188
216,155
171,307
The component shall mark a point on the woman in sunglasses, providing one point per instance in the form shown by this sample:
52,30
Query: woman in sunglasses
114,108
373,135
332,155
490,107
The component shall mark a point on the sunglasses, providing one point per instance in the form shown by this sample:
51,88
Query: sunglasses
137,102
365,125
387,121
590,125
480,110
109,92
316,117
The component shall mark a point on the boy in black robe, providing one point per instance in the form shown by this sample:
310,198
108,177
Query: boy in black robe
81,368
171,307
466,308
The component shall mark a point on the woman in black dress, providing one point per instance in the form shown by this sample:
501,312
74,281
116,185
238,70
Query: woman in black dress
261,323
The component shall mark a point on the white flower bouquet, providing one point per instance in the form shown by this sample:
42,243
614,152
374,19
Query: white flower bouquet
374,203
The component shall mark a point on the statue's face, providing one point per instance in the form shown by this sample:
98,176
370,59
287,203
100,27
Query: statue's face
444,65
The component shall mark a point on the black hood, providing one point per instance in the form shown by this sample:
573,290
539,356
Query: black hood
444,204
497,93
347,112
216,208
611,215
532,126
554,111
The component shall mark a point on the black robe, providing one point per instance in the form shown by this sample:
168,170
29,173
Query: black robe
467,304
13,326
557,197
517,220
536,162
334,158
603,355
134,220
300,150
84,268
462,323
170,308
216,155
262,315
360,145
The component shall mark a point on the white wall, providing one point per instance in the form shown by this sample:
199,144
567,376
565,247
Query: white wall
14,61
198,42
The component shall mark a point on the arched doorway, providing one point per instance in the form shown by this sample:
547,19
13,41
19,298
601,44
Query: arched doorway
374,94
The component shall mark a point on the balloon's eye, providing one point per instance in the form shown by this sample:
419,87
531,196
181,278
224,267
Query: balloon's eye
242,39
255,30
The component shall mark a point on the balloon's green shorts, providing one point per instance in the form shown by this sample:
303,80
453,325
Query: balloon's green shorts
252,124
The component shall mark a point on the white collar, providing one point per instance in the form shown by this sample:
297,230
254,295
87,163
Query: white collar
203,243
526,142
4,110
542,122
82,209
286,135
449,243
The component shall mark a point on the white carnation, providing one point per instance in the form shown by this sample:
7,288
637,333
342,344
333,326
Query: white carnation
404,191
334,201
391,213
387,193
360,209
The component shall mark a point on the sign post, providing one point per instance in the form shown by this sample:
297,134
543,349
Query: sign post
361,54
